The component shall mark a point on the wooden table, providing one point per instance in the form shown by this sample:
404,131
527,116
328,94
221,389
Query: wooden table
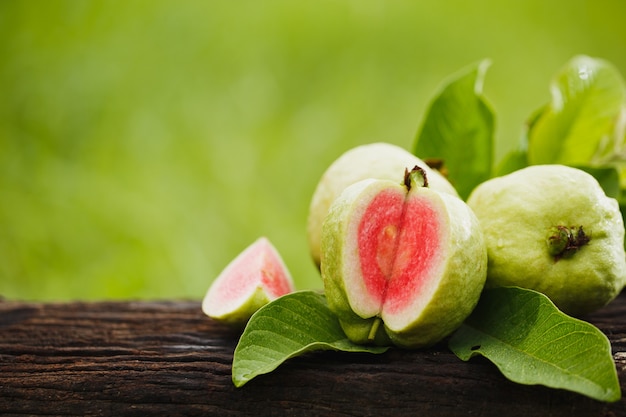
166,358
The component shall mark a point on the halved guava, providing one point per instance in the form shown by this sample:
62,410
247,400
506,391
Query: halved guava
405,256
255,277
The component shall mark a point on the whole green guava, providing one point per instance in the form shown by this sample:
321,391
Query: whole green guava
552,228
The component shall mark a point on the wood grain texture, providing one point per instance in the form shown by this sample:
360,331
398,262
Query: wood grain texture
168,359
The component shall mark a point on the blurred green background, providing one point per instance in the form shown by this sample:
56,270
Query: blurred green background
144,144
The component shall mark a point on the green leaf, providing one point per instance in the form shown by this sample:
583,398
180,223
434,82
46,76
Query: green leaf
532,342
287,327
514,160
518,158
458,129
585,122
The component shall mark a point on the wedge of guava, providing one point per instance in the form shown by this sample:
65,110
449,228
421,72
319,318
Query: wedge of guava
401,263
376,160
551,228
255,277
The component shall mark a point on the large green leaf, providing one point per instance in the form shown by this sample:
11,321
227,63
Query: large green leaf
532,342
289,326
585,122
458,130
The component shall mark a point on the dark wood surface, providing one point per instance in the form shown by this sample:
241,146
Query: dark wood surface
167,358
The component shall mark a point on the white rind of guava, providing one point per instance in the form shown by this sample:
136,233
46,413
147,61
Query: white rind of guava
453,285
516,212
255,277
378,160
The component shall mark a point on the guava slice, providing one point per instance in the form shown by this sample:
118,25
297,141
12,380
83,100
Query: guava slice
551,228
255,277
377,160
401,262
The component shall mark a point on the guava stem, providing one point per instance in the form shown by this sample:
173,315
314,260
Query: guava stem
563,241
415,177
374,329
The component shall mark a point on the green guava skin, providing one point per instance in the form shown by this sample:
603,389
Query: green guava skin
378,160
453,299
517,212
238,318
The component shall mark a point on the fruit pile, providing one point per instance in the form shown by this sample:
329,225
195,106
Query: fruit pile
404,259
494,258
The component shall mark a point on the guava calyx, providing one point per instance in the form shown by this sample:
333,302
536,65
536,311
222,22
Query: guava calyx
564,241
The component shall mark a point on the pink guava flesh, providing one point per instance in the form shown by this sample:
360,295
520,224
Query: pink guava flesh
274,276
259,265
417,255
377,241
398,241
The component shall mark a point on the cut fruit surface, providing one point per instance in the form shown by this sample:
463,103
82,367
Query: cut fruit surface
399,243
397,238
378,235
255,277
408,256
418,254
